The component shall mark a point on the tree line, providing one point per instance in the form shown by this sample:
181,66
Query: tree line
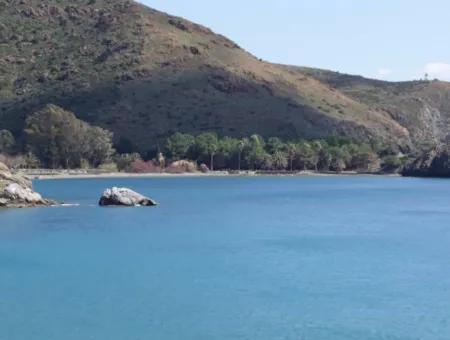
274,154
55,138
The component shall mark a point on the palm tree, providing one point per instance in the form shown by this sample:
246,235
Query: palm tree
240,147
292,150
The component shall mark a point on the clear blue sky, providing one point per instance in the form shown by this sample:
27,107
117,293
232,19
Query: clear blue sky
389,39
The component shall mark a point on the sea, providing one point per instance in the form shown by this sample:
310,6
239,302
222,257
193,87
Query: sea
255,258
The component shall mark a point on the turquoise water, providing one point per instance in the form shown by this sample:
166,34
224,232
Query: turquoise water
231,258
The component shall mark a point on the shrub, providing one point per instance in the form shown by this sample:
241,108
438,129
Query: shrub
141,167
124,161
108,167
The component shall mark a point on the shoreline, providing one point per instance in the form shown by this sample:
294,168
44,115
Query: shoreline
77,174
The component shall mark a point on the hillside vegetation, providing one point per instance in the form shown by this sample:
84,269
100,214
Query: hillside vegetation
145,75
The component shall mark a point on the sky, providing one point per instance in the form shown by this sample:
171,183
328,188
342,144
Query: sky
384,39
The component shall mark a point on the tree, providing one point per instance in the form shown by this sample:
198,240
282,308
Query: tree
274,145
291,151
365,159
241,147
339,158
125,146
324,159
255,155
279,160
318,152
99,145
306,155
125,160
7,142
392,163
207,145
179,145
59,139
31,161
228,150
50,133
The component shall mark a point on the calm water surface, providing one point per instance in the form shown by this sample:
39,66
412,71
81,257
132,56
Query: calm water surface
231,258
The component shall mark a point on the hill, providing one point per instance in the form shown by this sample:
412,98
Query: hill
423,107
144,75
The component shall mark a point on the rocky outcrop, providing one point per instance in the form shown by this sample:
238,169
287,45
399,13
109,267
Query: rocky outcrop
16,191
434,163
124,197
182,166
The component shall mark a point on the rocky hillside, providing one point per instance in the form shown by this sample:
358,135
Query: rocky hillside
423,107
433,163
144,74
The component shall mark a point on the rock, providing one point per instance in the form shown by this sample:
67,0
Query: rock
124,197
194,50
3,167
178,24
182,166
16,191
204,168
434,163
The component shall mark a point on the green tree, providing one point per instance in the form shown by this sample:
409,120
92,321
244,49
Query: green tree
99,146
228,150
274,145
292,151
324,159
179,145
365,159
392,163
59,139
306,156
207,145
339,158
255,155
279,160
242,144
31,161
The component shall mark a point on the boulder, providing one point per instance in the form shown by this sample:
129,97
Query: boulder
16,191
204,168
124,197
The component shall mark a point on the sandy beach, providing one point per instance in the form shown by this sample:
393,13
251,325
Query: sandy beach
43,174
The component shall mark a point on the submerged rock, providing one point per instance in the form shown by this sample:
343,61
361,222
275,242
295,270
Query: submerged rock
16,191
124,197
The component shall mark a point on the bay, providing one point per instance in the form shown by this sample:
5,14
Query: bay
230,258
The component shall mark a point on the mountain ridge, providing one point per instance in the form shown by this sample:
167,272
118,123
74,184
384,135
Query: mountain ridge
145,74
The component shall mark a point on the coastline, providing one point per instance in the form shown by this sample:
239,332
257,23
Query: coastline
41,174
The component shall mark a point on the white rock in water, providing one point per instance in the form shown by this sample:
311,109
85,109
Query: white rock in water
124,197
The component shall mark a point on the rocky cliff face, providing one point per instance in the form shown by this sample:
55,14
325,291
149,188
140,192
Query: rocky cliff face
16,191
434,163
